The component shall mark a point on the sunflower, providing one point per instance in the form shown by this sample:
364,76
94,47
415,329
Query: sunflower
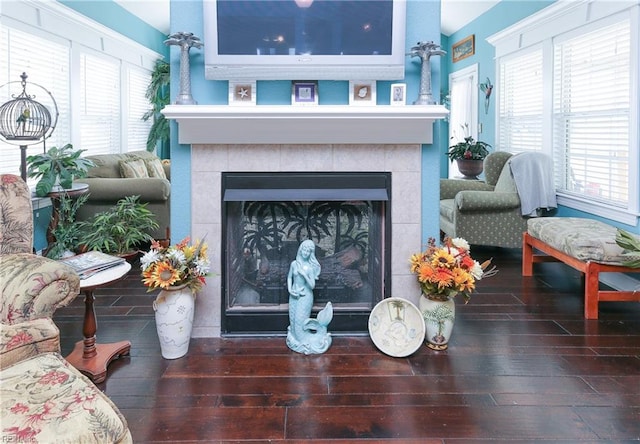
161,275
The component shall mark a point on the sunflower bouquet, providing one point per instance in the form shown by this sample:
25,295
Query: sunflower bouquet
446,271
175,265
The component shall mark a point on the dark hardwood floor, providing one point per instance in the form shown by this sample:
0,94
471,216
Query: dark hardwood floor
523,366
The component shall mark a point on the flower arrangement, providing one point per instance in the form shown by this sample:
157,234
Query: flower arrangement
175,265
446,271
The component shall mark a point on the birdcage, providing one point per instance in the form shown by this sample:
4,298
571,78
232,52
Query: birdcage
23,120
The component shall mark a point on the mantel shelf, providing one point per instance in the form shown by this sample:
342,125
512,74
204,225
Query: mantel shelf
282,124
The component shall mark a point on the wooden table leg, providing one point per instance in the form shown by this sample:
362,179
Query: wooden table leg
89,357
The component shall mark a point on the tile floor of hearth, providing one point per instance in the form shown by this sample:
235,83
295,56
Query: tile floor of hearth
523,366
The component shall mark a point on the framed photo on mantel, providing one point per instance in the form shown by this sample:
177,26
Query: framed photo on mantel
362,92
242,93
304,92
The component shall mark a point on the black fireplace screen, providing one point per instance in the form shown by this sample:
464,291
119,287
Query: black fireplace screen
267,216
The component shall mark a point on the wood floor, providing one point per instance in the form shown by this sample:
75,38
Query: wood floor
523,366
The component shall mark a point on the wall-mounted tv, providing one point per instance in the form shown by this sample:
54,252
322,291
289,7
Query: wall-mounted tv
304,39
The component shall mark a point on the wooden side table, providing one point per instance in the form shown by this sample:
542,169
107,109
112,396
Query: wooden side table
87,356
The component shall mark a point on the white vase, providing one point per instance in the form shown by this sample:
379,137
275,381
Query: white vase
174,309
439,316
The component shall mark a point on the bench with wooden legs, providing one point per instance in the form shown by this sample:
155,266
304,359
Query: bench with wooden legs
535,250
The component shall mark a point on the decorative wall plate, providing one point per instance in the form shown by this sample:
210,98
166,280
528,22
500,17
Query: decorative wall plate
396,327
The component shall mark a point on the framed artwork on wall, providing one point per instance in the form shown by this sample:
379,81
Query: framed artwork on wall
304,92
242,93
362,92
464,48
398,94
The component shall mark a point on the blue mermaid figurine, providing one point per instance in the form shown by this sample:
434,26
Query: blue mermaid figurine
305,334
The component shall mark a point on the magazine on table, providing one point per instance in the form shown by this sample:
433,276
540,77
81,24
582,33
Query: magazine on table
89,263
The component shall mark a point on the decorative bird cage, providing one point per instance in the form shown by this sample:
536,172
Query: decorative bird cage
23,120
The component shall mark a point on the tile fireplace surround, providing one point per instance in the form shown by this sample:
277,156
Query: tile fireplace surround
319,139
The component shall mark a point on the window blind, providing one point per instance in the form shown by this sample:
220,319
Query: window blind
591,105
521,102
46,63
138,104
99,104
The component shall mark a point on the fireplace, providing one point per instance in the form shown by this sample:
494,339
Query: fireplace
265,217
282,140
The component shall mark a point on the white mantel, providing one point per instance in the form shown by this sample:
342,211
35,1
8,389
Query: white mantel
286,124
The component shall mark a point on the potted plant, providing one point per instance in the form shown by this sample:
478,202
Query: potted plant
469,155
158,95
121,229
57,167
65,234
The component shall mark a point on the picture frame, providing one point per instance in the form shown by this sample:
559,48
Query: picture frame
362,92
242,93
464,48
304,92
398,95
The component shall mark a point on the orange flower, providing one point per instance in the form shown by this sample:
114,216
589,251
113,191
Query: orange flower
448,270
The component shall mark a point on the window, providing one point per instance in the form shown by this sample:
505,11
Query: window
570,94
97,77
520,105
99,112
591,114
49,68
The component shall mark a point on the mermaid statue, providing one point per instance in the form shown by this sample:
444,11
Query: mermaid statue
305,334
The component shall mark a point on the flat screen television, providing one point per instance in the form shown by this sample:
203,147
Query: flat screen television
304,39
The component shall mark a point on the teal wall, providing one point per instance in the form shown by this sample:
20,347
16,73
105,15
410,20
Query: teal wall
496,19
423,24
114,16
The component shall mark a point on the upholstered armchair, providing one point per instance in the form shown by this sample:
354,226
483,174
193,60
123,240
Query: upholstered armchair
484,212
33,287
42,397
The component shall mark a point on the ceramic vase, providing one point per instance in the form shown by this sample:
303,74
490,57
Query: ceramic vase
439,315
174,309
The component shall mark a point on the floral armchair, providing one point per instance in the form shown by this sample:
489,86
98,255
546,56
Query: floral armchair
484,212
42,397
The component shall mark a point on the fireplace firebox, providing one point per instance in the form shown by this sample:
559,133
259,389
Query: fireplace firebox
266,216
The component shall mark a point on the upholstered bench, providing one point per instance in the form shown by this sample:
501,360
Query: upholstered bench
44,399
586,245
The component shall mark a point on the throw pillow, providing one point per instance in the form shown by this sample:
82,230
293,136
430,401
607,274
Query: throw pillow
133,169
155,169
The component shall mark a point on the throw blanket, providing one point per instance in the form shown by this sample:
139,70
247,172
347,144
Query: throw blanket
533,175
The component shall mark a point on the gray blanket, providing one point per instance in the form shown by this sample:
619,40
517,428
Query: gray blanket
533,175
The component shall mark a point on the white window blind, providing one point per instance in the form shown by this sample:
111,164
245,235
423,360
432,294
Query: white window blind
46,63
520,102
138,104
99,112
591,118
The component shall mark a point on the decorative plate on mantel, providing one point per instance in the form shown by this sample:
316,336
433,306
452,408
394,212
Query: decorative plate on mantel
396,327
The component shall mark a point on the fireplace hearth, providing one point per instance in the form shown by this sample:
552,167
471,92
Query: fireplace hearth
265,218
